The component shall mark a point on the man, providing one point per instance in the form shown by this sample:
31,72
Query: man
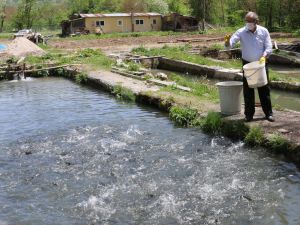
256,45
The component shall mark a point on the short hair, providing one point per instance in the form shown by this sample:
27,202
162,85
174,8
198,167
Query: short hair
253,15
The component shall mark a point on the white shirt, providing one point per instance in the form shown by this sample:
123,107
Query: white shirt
253,45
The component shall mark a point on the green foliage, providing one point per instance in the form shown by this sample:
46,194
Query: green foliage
297,33
179,6
42,73
123,93
134,67
183,116
236,130
277,143
212,123
94,57
236,18
81,78
255,137
61,72
160,6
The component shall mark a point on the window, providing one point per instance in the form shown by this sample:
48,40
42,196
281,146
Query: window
139,22
154,21
100,23
120,22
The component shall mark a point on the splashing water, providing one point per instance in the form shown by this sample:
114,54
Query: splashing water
72,155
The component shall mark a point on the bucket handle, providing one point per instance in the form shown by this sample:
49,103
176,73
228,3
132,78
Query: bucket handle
252,73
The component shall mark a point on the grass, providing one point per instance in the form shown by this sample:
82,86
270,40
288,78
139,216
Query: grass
6,35
200,88
123,93
134,67
182,53
236,130
129,34
183,116
255,137
212,123
91,57
277,143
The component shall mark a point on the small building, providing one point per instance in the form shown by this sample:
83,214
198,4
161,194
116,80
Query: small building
111,23
177,22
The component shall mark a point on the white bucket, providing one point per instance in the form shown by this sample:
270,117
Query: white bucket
255,74
230,97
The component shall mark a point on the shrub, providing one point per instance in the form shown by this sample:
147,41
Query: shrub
255,136
236,130
123,93
183,116
277,143
212,123
42,73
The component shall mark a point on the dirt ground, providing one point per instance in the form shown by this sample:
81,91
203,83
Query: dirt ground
128,42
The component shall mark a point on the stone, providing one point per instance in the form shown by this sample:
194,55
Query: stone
283,131
161,76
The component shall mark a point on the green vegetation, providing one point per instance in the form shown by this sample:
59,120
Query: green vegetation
200,87
255,137
133,67
126,35
94,58
81,78
236,130
277,15
123,93
6,35
182,53
212,123
277,143
183,116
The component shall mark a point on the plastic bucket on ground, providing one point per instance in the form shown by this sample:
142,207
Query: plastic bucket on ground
230,97
255,74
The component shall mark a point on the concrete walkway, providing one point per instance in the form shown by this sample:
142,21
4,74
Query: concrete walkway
112,79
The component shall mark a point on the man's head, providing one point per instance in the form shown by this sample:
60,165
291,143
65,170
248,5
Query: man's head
251,21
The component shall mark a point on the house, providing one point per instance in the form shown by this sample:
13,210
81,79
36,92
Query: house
177,22
111,23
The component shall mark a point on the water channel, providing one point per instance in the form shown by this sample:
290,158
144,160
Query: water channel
74,155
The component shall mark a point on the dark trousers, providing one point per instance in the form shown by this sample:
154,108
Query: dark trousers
264,96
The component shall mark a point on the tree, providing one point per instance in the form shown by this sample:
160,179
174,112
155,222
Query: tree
26,14
133,6
159,6
2,13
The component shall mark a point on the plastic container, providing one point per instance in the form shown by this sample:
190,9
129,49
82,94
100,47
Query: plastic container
255,74
230,97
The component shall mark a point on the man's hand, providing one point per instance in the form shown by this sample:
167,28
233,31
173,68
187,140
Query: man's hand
262,60
227,40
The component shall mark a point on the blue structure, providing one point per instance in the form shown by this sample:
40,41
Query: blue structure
2,47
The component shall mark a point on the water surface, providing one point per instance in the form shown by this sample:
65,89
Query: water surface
73,155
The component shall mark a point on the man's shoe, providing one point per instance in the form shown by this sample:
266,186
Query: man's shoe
248,119
270,118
